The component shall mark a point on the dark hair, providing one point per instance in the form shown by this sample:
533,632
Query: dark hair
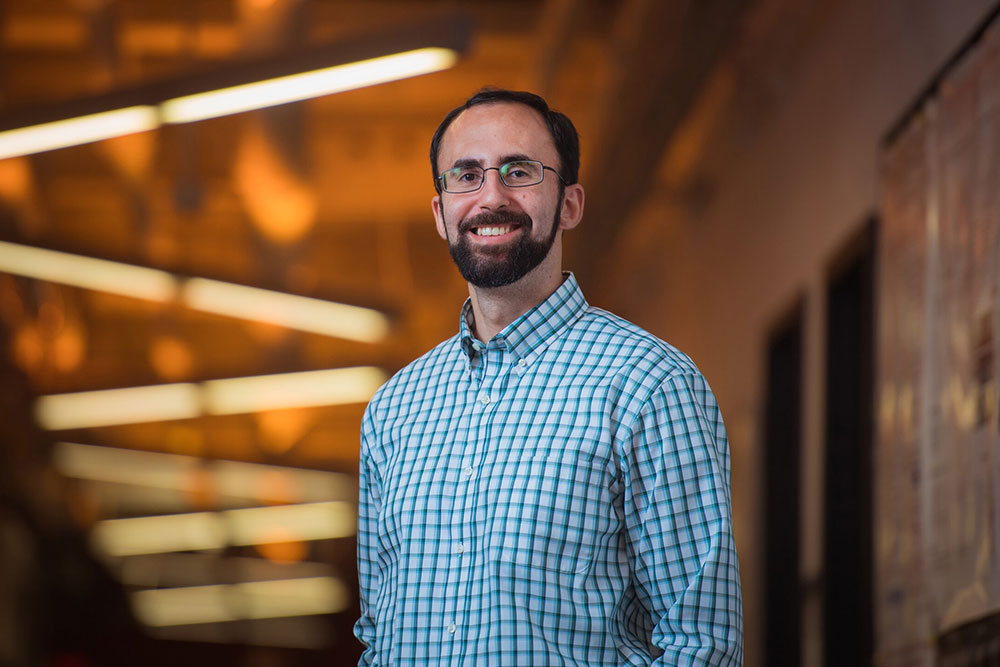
561,128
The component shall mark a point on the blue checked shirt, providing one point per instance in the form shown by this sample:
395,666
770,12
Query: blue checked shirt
558,496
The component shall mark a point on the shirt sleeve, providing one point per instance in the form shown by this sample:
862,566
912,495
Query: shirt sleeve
369,505
678,519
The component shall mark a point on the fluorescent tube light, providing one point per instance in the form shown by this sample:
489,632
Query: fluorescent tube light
172,472
286,523
297,87
336,386
251,600
291,311
197,531
138,282
287,310
75,131
133,405
415,46
125,466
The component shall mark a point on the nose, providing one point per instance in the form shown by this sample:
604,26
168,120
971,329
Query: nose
494,194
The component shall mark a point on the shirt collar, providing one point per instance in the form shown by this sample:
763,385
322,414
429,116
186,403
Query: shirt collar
535,327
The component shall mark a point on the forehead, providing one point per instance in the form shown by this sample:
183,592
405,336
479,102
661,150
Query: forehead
488,132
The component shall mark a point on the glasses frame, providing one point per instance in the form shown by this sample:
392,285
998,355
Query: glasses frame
498,169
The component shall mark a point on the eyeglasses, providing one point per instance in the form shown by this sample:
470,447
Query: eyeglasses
514,174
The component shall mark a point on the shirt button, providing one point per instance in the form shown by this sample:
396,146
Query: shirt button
460,549
484,398
452,628
467,472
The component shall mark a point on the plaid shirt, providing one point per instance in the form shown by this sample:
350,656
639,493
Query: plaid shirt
558,496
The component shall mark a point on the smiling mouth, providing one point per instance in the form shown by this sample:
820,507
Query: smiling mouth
493,231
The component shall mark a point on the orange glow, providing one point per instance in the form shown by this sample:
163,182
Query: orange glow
69,348
278,545
171,358
131,154
28,348
16,181
283,552
281,206
256,5
281,429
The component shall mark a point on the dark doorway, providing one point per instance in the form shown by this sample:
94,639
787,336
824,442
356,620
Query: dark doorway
849,424
782,457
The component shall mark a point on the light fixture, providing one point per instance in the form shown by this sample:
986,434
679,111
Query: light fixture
362,59
292,311
334,386
173,472
297,87
79,130
134,405
137,282
287,310
232,602
130,405
205,531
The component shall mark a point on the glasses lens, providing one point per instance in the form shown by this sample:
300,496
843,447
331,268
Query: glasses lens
521,173
462,179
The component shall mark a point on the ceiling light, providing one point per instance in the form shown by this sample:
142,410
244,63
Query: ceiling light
173,472
251,600
336,386
286,523
75,131
199,531
138,282
131,405
297,87
287,310
361,59
291,311
134,405
194,531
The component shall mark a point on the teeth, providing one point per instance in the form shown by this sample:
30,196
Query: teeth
492,231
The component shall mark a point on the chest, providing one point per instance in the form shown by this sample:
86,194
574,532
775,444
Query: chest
521,465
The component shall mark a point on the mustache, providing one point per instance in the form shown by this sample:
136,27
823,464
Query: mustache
496,219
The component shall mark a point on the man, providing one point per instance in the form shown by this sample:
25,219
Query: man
551,485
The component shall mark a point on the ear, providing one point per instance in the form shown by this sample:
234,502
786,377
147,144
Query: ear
572,208
438,217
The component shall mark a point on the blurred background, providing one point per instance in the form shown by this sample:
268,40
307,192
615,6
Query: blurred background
198,296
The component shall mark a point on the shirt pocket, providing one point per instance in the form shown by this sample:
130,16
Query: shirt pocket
554,513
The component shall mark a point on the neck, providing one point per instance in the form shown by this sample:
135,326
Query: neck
496,307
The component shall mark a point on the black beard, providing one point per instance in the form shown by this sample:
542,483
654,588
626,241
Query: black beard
497,267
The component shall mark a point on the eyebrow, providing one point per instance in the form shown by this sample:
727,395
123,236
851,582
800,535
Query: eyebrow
504,159
466,162
516,157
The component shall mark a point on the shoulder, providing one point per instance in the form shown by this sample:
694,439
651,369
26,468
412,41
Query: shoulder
641,372
634,350
419,376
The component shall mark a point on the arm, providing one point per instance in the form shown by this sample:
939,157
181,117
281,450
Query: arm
369,504
679,523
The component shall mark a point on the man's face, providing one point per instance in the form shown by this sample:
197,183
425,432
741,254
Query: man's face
497,234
